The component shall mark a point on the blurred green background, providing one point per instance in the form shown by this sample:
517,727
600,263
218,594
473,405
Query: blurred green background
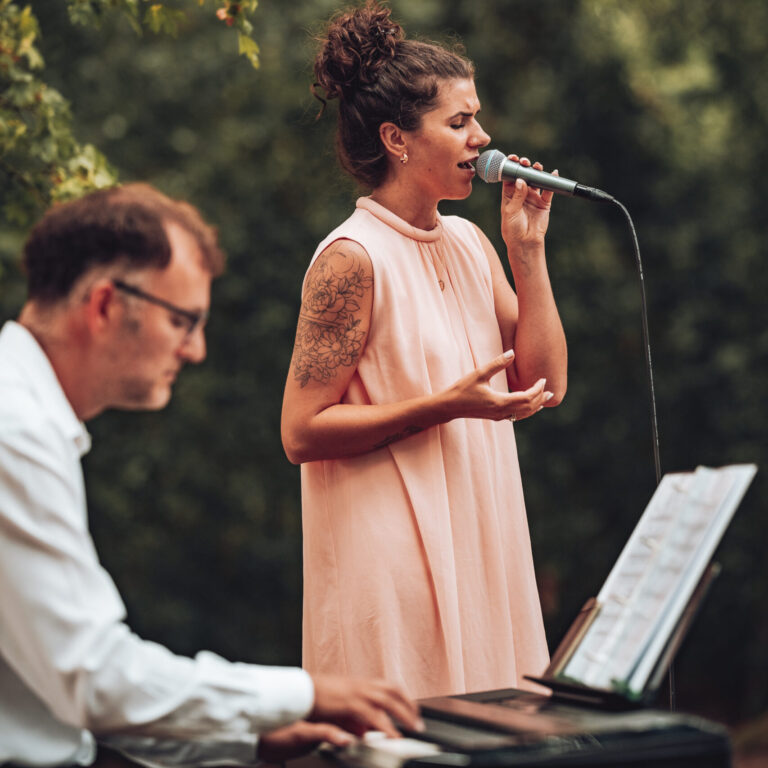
663,103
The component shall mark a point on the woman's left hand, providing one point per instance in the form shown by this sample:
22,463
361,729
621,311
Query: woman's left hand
524,210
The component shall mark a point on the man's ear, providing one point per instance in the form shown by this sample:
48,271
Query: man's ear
101,305
393,139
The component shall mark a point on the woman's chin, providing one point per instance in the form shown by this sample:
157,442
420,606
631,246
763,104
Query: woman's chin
458,193
462,195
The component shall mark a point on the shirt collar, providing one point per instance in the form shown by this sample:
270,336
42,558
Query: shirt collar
29,356
400,225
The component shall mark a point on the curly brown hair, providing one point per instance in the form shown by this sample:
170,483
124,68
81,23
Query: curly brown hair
378,76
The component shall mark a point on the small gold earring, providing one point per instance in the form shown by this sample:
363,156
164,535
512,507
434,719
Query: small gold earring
404,158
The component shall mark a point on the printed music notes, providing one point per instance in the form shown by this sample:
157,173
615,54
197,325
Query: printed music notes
649,588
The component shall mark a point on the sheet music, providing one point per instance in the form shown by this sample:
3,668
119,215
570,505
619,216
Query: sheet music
657,572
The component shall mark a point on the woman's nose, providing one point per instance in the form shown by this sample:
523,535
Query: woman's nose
480,137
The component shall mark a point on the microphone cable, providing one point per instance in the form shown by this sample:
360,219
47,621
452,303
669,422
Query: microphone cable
651,388
646,334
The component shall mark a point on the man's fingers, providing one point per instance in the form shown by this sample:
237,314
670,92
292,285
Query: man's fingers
378,720
362,705
330,733
299,739
383,707
373,716
397,706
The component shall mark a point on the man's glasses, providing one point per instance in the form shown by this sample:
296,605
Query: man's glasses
190,320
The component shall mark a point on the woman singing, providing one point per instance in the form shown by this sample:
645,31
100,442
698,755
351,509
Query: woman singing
404,385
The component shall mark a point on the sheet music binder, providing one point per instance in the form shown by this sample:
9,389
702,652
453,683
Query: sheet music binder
582,724
620,645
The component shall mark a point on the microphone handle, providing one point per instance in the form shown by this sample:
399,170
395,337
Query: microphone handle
511,170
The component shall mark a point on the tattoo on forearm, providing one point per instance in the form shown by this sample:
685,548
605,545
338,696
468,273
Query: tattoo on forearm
328,334
407,432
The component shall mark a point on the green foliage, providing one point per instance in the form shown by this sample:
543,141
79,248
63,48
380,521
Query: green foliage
92,12
196,510
159,18
40,160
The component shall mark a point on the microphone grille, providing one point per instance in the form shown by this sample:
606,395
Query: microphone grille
488,165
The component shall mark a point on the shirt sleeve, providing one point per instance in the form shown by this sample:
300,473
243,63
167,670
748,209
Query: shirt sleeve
62,628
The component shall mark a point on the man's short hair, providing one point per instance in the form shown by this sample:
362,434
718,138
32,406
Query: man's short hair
121,225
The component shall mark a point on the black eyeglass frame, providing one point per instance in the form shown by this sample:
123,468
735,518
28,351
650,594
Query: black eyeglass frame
196,319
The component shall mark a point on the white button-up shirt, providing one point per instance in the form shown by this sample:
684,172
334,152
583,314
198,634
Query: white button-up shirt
69,666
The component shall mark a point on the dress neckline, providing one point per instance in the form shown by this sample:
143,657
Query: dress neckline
401,225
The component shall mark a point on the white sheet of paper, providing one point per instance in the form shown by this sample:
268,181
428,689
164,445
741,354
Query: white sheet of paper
658,570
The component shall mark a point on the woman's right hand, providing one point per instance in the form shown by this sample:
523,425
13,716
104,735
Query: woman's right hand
473,397
524,209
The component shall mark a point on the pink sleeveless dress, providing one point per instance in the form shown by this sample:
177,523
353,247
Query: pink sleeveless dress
417,556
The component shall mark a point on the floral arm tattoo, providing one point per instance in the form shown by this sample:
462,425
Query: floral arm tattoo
328,334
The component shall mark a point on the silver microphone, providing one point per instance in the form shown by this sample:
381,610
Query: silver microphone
493,166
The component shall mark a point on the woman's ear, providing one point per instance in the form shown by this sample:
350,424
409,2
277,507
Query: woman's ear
393,140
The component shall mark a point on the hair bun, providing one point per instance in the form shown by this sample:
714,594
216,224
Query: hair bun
356,45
